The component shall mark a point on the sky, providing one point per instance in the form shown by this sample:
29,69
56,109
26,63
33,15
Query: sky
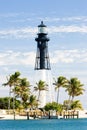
66,22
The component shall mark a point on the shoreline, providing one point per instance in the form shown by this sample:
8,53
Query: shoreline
4,116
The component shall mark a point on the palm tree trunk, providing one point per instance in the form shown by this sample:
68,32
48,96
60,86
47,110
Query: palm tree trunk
69,97
58,96
38,95
72,98
9,99
69,104
14,103
38,98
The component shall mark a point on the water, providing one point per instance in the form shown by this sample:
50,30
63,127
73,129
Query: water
58,124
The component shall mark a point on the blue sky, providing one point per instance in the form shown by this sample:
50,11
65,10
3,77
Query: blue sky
66,21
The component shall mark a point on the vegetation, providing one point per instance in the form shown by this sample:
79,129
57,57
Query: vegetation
53,106
4,103
72,105
40,86
33,103
22,91
60,82
76,105
74,88
20,95
12,81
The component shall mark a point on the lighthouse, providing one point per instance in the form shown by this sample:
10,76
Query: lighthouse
42,56
42,62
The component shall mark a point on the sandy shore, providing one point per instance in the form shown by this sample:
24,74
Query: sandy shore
4,116
83,114
11,117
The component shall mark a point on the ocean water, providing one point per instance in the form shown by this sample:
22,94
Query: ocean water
49,124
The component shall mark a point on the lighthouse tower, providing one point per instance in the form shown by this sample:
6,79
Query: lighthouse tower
42,63
42,56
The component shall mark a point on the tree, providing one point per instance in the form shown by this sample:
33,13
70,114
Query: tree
53,106
10,84
40,86
74,88
60,82
22,90
12,81
33,102
15,81
76,105
4,103
67,104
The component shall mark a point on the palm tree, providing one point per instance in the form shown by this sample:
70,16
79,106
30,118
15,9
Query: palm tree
74,88
33,102
10,84
40,86
60,82
15,81
76,105
22,90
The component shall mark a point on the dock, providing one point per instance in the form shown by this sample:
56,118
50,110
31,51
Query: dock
70,114
50,115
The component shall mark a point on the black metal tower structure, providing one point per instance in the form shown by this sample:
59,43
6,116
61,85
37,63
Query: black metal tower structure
42,55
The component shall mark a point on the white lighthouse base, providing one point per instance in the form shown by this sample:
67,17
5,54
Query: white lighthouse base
42,99
45,96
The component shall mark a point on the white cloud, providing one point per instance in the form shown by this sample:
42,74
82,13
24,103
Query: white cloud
11,15
5,69
69,56
74,19
28,58
17,58
18,33
68,29
32,16
28,32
